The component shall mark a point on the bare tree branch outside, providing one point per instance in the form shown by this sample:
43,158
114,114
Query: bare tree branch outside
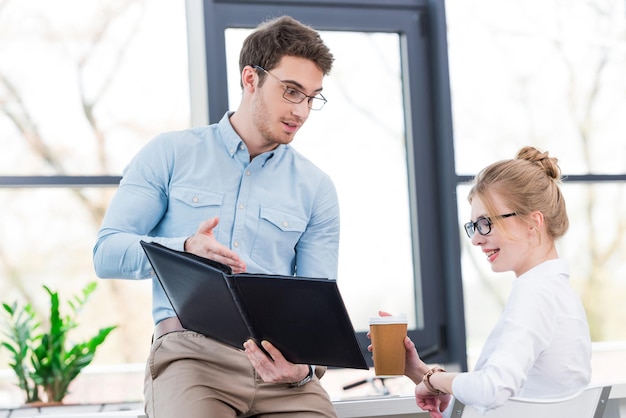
84,84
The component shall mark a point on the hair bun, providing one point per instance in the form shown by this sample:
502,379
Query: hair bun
548,164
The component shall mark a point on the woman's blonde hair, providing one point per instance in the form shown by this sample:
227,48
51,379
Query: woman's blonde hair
527,183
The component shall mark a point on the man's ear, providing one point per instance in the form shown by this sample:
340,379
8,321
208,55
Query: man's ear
249,78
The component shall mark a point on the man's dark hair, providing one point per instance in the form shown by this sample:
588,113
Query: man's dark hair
284,36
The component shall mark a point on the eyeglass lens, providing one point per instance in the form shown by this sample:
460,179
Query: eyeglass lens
296,96
483,225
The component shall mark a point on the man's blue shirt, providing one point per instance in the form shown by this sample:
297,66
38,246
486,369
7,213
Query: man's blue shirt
279,212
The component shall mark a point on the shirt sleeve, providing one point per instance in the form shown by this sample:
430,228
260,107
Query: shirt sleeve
523,332
136,208
318,247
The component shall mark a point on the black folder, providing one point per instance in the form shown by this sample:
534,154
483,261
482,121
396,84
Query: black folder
305,318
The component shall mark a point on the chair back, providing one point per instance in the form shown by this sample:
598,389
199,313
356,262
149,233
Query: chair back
588,403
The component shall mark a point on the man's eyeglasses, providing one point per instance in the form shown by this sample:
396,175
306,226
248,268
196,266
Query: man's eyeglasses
483,224
296,96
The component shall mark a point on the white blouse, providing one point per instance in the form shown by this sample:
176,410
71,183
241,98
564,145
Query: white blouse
540,347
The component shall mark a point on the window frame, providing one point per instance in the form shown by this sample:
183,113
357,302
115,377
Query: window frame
421,27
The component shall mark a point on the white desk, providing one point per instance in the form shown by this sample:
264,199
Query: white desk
383,407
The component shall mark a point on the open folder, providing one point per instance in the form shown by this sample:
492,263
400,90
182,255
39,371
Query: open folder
304,318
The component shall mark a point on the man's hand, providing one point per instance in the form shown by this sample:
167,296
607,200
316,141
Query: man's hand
434,404
275,369
204,244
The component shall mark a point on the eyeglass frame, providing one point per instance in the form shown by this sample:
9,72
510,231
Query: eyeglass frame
474,226
321,99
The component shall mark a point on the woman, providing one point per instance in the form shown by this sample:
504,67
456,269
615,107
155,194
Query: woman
540,347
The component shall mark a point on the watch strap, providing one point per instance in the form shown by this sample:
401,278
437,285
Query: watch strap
306,379
426,380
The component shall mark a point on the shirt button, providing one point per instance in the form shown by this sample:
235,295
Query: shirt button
232,150
248,173
285,224
240,206
195,199
236,244
241,146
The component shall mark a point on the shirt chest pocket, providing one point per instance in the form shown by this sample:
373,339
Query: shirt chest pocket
277,234
197,198
284,221
192,206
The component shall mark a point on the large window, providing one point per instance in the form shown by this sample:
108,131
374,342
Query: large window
82,87
368,163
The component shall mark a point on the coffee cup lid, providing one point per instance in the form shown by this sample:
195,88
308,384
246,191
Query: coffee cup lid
394,319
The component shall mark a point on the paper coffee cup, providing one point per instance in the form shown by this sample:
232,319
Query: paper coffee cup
387,334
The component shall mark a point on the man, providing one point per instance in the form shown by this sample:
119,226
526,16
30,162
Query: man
237,193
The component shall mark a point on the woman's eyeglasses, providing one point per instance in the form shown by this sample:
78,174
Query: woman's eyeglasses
483,224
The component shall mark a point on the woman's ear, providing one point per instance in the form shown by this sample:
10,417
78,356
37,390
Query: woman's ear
536,220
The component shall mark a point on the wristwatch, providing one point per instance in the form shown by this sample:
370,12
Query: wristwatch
306,379
426,380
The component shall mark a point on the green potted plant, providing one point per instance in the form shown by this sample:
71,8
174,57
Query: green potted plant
45,362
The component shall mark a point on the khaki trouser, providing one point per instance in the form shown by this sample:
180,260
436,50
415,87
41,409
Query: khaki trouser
191,376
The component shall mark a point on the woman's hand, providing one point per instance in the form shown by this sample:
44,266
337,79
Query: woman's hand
435,404
414,367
